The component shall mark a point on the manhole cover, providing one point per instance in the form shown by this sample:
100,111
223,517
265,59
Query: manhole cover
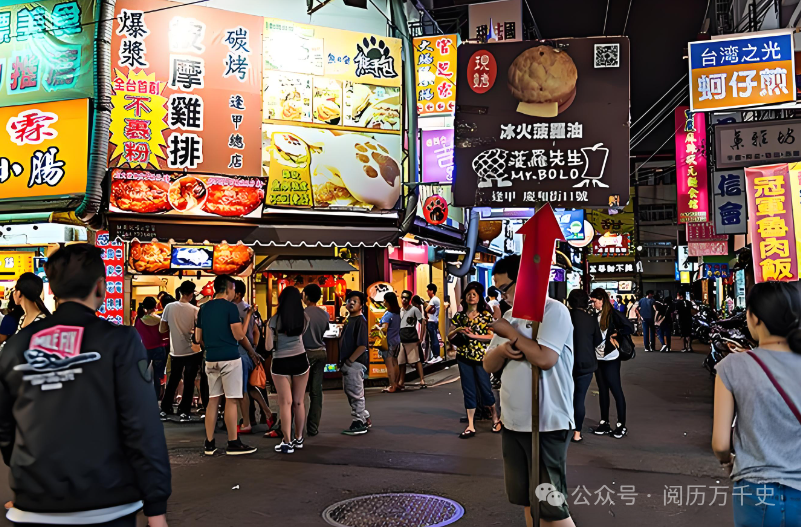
394,510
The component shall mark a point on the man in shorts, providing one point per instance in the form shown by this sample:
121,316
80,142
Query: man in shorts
219,330
410,340
513,349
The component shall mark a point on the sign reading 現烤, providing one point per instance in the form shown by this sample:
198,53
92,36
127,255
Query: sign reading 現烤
770,222
691,166
742,71
46,51
729,201
435,67
739,145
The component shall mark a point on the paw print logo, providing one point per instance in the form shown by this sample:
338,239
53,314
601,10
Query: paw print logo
373,57
435,209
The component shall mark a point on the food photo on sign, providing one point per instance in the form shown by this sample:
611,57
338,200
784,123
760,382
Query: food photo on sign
164,258
531,128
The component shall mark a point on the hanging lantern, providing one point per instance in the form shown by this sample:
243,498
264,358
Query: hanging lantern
282,284
489,230
435,209
208,289
330,281
341,287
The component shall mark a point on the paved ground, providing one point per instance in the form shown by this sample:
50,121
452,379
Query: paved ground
413,448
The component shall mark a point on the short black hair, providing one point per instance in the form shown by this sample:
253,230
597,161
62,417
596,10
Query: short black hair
239,287
649,292
73,270
493,292
433,288
362,298
186,288
313,293
508,266
221,283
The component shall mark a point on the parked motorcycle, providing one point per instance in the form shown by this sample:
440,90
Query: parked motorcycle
727,336
702,323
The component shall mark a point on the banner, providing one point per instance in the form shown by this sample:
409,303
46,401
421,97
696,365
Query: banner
187,89
770,222
437,147
553,125
729,202
44,150
46,51
691,166
571,222
611,245
704,232
435,74
742,71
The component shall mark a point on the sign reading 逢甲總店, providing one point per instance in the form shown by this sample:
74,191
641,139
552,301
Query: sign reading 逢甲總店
743,71
46,51
691,166
729,201
435,73
547,122
739,145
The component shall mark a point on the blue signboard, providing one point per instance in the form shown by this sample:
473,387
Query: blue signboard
571,222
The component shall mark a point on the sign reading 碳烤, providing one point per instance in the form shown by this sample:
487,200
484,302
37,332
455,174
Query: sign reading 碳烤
187,89
435,73
756,142
742,71
437,156
537,130
46,51
729,201
44,150
770,222
691,166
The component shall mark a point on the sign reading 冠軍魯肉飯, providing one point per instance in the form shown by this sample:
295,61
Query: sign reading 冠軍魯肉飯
691,166
44,150
187,89
46,51
435,73
770,222
742,71
729,201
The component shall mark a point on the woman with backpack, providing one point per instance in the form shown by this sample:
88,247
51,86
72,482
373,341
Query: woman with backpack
614,328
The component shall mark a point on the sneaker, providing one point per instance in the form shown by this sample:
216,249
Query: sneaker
238,448
184,418
602,429
298,443
620,431
286,448
209,448
164,416
664,349
356,428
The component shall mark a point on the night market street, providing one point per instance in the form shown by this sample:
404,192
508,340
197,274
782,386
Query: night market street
413,447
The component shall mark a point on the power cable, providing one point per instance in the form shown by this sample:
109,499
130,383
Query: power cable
627,17
605,16
654,123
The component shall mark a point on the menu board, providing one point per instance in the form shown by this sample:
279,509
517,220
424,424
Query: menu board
15,263
164,258
112,252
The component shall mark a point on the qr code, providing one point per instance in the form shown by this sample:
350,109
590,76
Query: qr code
607,55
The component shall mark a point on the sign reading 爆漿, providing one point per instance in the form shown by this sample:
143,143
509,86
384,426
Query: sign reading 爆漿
46,51
770,222
756,142
691,166
537,129
437,156
742,71
44,150
187,89
729,201
435,73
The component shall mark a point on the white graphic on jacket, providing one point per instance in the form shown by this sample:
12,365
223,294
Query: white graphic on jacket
52,354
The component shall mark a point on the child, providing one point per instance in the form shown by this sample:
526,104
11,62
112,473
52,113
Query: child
353,360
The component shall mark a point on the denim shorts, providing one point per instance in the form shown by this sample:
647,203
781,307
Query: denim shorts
765,504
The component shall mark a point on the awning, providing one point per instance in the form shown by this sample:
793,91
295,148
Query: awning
306,265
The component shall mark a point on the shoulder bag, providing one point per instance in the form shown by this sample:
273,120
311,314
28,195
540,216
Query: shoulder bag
778,386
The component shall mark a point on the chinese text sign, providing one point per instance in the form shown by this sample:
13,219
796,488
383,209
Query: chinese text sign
113,257
691,166
15,263
46,51
44,149
437,156
729,202
756,142
770,222
435,68
737,72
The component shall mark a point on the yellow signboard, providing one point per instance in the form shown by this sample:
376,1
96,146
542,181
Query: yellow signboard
44,149
15,263
435,73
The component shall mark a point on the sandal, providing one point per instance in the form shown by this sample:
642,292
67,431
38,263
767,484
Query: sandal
579,440
496,427
391,389
423,386
467,434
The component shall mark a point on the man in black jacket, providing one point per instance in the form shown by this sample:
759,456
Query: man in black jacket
79,428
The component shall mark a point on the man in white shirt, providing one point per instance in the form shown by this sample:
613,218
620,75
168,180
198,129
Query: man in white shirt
185,358
512,351
432,335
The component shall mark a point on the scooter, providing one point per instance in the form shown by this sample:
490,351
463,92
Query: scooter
727,336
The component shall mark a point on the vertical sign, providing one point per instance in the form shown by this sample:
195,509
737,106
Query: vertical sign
437,156
729,203
770,222
691,166
111,310
435,67
795,189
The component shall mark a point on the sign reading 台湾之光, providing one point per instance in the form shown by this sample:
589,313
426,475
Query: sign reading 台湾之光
435,73
691,166
46,51
754,69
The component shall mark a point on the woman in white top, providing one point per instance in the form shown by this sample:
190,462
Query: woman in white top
493,293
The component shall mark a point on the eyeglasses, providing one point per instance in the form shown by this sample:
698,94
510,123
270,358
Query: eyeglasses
505,288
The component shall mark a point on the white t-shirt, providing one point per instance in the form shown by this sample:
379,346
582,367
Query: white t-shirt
180,317
556,384
410,317
434,317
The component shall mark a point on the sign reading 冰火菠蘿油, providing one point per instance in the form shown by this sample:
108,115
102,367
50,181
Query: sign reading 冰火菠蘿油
691,166
744,71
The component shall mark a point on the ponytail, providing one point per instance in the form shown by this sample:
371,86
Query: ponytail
148,304
31,286
778,306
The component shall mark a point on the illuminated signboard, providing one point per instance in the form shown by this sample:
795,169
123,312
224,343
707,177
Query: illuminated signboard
15,263
691,166
435,68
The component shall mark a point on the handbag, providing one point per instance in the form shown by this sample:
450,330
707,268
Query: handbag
778,387
625,346
258,377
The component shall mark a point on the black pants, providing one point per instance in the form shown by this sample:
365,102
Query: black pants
666,334
608,378
186,367
582,383
317,360
157,358
125,521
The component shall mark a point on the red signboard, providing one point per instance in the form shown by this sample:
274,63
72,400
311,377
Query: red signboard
113,257
718,248
691,167
770,222
704,232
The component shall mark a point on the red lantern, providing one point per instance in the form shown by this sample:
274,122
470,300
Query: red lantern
282,283
341,287
330,281
208,289
435,209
